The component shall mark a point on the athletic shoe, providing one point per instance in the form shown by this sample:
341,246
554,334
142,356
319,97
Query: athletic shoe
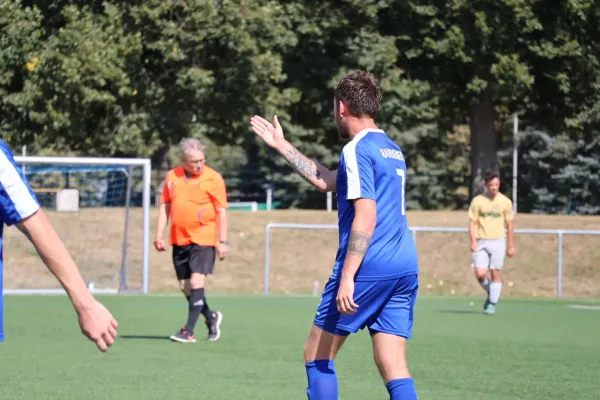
183,337
214,326
486,304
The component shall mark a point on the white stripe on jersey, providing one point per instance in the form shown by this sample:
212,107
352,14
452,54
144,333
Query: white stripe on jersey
23,202
352,173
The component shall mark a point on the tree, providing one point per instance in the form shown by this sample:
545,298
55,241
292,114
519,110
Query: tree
488,59
558,175
20,30
333,38
132,78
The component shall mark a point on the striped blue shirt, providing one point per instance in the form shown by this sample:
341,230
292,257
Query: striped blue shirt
17,202
372,167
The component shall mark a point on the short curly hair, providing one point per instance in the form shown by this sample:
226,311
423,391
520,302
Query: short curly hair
361,91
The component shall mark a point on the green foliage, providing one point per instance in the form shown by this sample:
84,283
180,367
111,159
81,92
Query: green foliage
107,78
487,59
20,37
559,175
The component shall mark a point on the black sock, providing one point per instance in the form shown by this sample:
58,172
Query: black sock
207,312
196,304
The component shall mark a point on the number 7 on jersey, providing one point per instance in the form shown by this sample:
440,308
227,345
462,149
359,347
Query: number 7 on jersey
402,176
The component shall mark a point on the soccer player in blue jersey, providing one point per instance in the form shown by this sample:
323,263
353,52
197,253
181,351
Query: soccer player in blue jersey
19,206
375,277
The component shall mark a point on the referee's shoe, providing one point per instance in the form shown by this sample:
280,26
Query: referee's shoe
183,336
214,326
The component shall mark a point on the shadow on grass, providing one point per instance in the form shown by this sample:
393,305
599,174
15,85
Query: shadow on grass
450,311
145,337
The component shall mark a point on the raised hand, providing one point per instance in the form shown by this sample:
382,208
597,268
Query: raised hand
272,134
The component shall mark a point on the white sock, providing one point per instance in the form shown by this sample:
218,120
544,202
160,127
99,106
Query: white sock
495,289
485,284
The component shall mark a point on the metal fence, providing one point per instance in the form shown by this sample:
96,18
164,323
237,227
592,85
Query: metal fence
560,232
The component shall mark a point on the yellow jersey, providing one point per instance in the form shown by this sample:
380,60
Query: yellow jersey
491,215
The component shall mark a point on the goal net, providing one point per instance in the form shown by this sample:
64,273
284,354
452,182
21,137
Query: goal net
100,208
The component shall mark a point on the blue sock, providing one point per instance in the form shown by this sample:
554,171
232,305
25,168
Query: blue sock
322,380
402,389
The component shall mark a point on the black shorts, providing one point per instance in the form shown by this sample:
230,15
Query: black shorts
193,258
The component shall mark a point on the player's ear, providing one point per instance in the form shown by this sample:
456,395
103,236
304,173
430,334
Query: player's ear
343,108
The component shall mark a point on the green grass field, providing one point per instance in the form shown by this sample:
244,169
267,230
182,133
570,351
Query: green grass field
532,349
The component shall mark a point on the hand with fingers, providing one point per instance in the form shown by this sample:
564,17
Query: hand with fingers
344,299
272,134
222,250
98,325
510,251
159,244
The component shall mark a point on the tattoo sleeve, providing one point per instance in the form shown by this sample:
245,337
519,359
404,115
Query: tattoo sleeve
305,167
358,243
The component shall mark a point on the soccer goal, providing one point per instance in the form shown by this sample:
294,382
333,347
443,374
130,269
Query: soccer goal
101,210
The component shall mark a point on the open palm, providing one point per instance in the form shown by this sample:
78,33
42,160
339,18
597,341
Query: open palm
272,134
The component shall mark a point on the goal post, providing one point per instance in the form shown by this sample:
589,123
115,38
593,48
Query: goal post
98,206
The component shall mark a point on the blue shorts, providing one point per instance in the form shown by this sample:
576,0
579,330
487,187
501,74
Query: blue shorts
383,306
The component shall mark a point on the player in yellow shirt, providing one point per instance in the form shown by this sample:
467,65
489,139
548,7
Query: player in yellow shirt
489,215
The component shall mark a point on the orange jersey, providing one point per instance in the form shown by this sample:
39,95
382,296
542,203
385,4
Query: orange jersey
194,204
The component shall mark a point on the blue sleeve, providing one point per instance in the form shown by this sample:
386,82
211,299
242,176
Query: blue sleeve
360,171
17,200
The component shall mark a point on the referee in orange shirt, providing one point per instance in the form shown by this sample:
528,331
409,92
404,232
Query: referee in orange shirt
195,199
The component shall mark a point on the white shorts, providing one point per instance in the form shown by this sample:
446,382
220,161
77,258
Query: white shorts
489,254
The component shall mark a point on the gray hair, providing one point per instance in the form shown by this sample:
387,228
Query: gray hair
190,144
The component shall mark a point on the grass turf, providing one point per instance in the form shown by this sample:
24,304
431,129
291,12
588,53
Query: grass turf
532,349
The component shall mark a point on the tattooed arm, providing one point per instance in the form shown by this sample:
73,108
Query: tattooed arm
313,172
365,219
316,174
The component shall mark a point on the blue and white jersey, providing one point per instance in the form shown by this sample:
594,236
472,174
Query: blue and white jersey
372,167
17,202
